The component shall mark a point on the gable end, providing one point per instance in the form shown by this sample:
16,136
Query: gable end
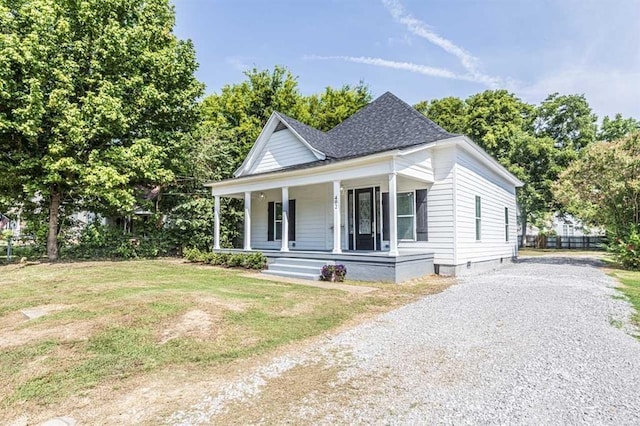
278,146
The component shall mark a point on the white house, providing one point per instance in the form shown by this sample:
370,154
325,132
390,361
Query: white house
387,193
566,225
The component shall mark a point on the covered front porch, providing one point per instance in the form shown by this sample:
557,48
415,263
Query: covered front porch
370,216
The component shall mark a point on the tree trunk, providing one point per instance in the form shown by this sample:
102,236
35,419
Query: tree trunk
54,218
524,229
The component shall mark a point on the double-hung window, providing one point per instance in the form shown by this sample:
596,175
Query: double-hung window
506,223
406,216
478,218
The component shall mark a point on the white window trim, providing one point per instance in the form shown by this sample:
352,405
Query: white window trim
413,208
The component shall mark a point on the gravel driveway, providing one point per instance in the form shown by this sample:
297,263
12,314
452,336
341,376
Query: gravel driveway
544,341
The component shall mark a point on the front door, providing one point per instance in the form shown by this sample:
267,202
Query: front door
364,219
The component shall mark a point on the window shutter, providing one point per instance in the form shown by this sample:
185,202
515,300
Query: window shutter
385,216
292,220
421,215
272,215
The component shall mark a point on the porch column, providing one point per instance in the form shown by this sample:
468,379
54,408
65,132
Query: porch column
247,221
337,244
216,222
285,219
393,215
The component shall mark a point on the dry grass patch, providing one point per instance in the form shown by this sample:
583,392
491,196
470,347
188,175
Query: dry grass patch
120,324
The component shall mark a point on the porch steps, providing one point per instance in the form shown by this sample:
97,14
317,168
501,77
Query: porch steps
306,269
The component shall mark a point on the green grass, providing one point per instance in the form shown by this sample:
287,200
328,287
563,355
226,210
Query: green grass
631,288
111,317
542,252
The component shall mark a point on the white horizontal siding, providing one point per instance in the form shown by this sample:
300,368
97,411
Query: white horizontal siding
472,179
281,150
312,210
259,220
440,213
417,165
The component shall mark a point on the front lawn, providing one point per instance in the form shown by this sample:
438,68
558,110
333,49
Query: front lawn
105,324
631,288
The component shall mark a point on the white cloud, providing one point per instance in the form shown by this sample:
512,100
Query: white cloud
406,66
420,29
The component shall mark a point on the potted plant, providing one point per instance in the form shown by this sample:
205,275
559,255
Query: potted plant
333,273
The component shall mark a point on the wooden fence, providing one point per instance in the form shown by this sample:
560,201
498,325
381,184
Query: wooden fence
558,242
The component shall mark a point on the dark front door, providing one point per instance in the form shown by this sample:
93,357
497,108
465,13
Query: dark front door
364,219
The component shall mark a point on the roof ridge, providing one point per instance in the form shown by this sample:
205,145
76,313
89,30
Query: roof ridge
287,117
421,115
361,110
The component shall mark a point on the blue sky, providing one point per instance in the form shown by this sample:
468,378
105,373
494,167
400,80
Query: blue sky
427,49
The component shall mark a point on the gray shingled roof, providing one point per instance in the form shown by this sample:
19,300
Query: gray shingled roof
316,138
385,124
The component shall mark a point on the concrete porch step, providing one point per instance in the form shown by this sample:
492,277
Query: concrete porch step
289,274
286,267
316,263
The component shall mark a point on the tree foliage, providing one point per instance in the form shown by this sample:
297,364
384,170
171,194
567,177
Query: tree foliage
239,111
617,128
450,113
569,121
95,98
603,186
331,107
493,118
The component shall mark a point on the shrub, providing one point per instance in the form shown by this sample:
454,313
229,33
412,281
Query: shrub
255,260
626,250
333,273
104,241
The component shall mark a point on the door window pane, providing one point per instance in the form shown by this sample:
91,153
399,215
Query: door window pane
364,221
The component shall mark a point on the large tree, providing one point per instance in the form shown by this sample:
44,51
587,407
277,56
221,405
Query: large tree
603,186
494,117
533,160
95,97
569,121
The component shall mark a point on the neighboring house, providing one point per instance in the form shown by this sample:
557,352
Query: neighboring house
11,223
565,225
387,193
